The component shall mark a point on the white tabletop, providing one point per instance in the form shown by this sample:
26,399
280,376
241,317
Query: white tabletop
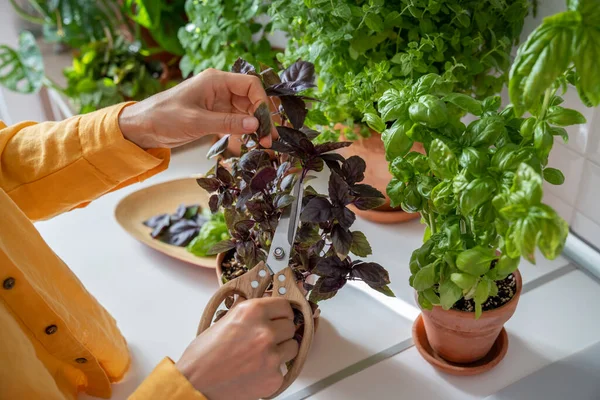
157,302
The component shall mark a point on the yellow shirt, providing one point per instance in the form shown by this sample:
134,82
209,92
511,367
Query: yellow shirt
55,339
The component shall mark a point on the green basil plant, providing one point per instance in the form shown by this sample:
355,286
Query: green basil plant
360,47
479,187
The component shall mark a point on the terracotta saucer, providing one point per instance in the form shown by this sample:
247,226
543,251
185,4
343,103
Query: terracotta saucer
384,217
488,362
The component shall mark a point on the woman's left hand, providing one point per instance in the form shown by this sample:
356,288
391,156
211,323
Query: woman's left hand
210,102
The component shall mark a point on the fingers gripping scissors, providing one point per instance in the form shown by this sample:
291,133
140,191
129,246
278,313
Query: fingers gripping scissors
278,272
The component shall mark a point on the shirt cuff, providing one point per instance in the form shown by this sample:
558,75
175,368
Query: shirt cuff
115,157
166,382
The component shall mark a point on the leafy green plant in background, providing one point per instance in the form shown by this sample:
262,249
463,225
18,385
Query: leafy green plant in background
22,69
106,73
360,47
479,187
219,32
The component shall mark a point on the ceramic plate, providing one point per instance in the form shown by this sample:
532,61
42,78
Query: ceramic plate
162,198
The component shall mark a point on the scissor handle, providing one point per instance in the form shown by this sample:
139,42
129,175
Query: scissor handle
286,280
251,285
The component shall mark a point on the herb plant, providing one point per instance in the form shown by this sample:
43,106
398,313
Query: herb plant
218,32
360,47
253,189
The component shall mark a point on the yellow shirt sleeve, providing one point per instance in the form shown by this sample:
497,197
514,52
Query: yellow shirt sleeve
52,167
166,383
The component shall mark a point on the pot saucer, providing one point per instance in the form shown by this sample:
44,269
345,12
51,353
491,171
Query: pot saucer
488,362
384,217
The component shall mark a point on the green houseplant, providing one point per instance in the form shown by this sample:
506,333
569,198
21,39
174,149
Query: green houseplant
253,189
479,187
360,47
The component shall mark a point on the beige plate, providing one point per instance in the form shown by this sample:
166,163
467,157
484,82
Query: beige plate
162,198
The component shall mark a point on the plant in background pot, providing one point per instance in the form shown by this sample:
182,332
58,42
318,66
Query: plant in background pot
479,187
360,48
253,189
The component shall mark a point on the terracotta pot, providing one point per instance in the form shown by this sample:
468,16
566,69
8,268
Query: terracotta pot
458,337
219,271
371,150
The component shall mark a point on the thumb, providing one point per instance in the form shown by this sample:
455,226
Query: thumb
229,123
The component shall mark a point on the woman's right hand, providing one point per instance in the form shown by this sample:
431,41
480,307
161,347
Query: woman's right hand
240,356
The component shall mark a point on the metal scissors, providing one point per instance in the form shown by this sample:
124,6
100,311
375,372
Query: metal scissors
277,271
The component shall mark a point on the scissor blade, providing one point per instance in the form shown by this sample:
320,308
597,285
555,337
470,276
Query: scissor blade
285,233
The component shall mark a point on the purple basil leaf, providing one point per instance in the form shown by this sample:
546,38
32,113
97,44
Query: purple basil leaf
296,139
368,203
316,295
263,178
244,196
213,203
179,213
317,248
295,109
281,147
224,176
209,184
219,147
333,161
254,159
157,220
222,247
279,90
287,181
363,190
270,78
310,133
314,164
331,284
226,199
330,146
284,201
201,220
344,216
242,66
243,227
263,114
332,267
339,191
353,169
181,233
341,239
299,71
290,88
371,273
317,210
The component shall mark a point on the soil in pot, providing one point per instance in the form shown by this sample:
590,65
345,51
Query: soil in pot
229,268
377,174
456,336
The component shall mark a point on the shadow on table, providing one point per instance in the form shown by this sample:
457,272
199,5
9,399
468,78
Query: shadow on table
520,361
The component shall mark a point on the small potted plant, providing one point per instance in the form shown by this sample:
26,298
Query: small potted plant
360,48
479,187
254,188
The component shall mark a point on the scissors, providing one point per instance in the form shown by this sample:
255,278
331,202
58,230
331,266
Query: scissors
277,271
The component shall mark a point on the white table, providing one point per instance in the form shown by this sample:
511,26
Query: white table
157,302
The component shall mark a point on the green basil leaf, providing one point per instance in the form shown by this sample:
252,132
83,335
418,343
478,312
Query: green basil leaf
543,140
477,192
506,266
586,52
426,84
564,116
481,295
402,169
463,280
392,106
423,302
395,191
485,131
374,121
491,104
450,293
476,261
443,197
22,70
145,12
542,58
527,127
442,160
425,278
474,161
432,296
465,102
429,111
527,186
558,131
412,201
553,234
374,22
395,140
554,176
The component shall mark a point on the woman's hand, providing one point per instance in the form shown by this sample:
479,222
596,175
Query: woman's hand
210,102
240,356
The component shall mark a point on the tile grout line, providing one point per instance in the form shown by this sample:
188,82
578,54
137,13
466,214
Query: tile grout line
406,344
